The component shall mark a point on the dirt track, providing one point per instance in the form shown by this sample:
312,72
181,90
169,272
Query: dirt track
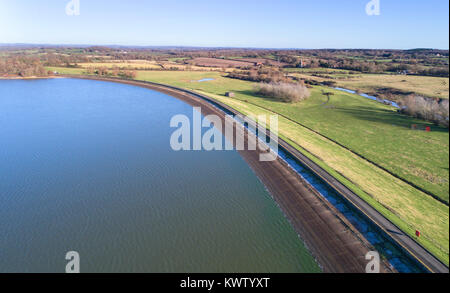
333,241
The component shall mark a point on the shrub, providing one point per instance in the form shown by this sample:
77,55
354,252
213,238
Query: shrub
267,75
432,110
286,92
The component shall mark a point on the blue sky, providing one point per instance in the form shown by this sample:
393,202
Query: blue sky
401,24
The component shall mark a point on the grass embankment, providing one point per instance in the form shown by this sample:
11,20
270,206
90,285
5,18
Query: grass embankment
368,128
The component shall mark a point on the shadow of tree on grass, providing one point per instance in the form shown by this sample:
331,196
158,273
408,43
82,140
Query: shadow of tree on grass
389,117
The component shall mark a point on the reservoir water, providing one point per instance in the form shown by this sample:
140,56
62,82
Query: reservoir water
87,166
373,98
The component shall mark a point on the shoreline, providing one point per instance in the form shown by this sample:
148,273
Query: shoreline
30,77
402,240
336,245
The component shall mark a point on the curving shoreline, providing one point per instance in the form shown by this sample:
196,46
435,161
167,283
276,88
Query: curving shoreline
296,198
336,245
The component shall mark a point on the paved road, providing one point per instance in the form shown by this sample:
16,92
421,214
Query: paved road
409,244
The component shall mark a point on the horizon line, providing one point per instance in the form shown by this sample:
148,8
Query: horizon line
205,47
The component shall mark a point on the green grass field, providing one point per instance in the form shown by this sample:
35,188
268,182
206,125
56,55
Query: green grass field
436,87
64,70
368,128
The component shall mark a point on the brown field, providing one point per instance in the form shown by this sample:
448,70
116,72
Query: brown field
130,64
145,65
263,61
215,62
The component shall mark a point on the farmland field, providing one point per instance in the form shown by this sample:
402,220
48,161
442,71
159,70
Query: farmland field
215,62
436,87
263,61
129,64
142,65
